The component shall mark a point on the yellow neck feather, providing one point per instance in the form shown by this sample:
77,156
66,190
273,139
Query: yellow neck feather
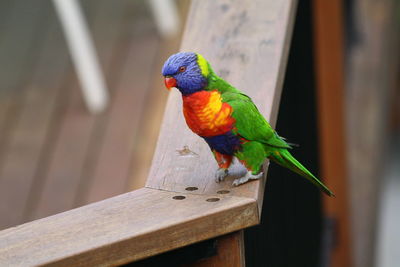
202,62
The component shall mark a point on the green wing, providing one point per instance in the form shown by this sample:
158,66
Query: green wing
250,124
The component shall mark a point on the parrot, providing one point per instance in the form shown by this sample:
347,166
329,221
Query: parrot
228,121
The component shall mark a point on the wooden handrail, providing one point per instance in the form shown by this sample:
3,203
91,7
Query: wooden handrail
247,43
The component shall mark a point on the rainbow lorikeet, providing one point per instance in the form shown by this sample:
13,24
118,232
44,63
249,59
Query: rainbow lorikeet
228,120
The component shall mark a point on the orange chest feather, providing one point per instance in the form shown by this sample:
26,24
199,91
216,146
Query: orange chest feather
206,114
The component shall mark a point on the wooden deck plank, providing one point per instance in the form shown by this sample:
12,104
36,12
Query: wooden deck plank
67,165
29,132
230,252
112,170
253,61
142,223
156,99
109,233
13,41
53,86
113,125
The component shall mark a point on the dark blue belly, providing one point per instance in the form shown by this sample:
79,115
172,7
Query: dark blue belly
225,144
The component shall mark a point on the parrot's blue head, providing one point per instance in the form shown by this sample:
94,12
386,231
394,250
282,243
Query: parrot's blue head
187,71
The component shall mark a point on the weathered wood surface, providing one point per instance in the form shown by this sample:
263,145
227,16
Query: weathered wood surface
53,154
156,101
329,56
62,182
125,228
230,252
247,42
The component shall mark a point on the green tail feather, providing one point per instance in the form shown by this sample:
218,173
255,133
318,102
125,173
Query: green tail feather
285,159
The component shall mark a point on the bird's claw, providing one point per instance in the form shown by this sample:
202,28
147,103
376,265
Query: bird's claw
249,176
221,174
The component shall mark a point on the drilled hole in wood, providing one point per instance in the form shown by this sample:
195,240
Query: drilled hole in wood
178,197
213,199
223,191
191,188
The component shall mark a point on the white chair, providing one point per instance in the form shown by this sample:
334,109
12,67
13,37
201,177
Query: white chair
83,52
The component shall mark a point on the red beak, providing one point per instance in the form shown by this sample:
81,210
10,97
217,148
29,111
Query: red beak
170,82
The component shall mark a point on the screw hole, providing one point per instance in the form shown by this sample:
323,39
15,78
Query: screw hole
191,188
178,197
213,199
223,191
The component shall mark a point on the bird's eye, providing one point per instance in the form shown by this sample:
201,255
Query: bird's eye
182,69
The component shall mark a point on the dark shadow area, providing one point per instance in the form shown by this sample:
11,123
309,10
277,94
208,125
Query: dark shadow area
181,256
291,223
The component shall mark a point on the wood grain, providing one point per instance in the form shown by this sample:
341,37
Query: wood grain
154,109
125,228
111,176
247,43
230,252
110,156
90,156
65,168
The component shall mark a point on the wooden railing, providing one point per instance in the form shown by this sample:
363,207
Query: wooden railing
247,43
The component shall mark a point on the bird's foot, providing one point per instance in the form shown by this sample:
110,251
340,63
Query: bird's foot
249,176
221,174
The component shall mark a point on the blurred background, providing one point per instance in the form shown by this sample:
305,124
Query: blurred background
57,154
